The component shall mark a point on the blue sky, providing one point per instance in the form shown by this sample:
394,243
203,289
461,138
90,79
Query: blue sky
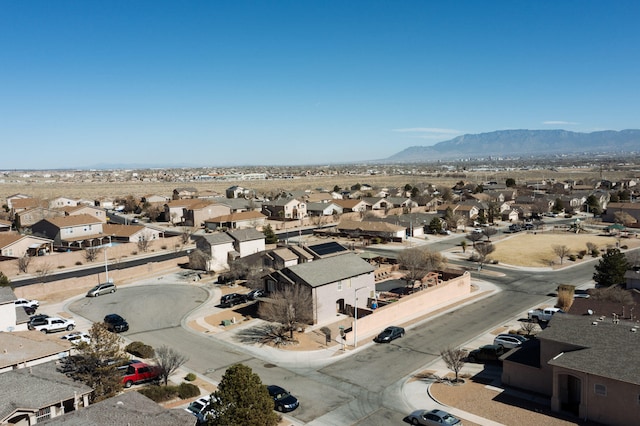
217,83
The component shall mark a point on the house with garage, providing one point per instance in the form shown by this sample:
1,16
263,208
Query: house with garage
239,220
332,282
217,247
11,199
21,204
352,205
97,212
619,210
324,209
61,202
197,213
36,394
128,233
370,229
247,241
578,362
26,218
14,245
285,208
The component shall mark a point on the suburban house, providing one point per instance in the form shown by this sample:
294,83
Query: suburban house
129,408
5,225
21,204
12,198
416,224
619,209
154,199
333,283
184,193
239,220
281,258
370,229
247,241
285,208
319,197
217,246
27,218
129,233
60,202
197,213
238,192
324,209
17,245
78,230
240,204
33,395
578,361
97,212
353,205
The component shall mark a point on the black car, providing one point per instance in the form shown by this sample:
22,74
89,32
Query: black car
40,319
283,400
486,353
389,334
229,300
116,323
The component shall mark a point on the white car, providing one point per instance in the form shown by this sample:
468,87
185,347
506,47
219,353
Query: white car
77,337
51,324
29,305
199,408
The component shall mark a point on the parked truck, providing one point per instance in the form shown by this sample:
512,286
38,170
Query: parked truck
542,315
140,372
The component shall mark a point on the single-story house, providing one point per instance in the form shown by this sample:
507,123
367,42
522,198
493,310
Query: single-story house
13,245
239,220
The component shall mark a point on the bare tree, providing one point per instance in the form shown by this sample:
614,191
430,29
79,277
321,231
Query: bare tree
44,271
454,359
290,306
23,263
529,328
144,242
565,299
489,232
198,259
91,253
592,248
484,249
418,261
186,235
474,237
561,251
169,360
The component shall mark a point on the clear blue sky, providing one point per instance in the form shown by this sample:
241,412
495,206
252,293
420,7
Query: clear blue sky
302,82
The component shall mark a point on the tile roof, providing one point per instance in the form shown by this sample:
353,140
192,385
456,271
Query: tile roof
74,220
7,239
117,230
329,270
128,408
599,349
370,226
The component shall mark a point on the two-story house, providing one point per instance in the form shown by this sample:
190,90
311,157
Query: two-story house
285,208
70,231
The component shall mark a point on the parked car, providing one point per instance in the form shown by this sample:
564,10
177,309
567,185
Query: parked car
140,373
30,306
444,232
254,294
509,341
53,324
389,334
283,400
515,227
433,417
199,408
477,231
529,226
101,289
77,337
116,323
231,299
486,353
35,320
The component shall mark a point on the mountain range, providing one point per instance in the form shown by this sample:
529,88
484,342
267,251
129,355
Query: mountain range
518,143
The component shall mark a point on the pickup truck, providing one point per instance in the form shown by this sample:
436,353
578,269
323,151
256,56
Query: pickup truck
140,372
51,324
542,315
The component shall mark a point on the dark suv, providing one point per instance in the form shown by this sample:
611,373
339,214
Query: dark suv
486,353
388,334
40,319
229,300
116,323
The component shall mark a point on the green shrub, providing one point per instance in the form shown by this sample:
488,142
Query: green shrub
190,377
595,253
78,263
188,390
159,393
572,257
140,349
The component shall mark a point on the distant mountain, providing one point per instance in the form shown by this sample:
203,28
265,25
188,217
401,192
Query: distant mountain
515,143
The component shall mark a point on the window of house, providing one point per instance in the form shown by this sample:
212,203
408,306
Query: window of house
43,413
600,390
339,285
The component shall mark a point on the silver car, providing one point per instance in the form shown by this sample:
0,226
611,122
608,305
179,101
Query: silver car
509,341
433,417
101,289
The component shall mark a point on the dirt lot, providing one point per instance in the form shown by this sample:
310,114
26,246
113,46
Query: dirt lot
536,249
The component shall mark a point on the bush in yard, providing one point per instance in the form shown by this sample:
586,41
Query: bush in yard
188,390
140,349
190,377
159,393
572,257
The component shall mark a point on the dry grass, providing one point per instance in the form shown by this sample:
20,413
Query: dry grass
536,250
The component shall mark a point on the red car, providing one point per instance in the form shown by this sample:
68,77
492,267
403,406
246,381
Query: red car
140,372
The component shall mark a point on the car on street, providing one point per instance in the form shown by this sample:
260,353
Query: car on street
101,289
515,227
116,323
509,341
486,353
30,306
433,417
388,334
77,337
283,400
254,294
529,226
232,299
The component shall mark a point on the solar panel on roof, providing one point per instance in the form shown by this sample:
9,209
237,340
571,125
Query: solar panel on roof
327,248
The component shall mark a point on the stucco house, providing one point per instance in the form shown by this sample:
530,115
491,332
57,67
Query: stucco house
217,246
70,231
13,245
196,214
353,205
129,233
97,212
247,241
285,208
632,209
333,283
579,362
33,395
239,220
5,225
324,209
60,202
26,218
371,229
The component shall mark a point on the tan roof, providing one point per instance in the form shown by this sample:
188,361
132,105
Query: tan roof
370,226
74,220
186,203
121,230
5,222
348,203
285,254
7,239
238,216
21,346
625,206
25,203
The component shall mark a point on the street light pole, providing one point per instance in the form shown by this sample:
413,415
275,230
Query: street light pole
355,322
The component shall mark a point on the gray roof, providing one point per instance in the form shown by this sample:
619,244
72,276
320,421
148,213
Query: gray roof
129,408
36,387
20,346
6,295
216,238
332,269
595,349
248,234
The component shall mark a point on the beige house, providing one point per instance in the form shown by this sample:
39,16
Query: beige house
585,364
239,220
78,230
352,205
371,229
285,208
18,245
97,212
631,209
